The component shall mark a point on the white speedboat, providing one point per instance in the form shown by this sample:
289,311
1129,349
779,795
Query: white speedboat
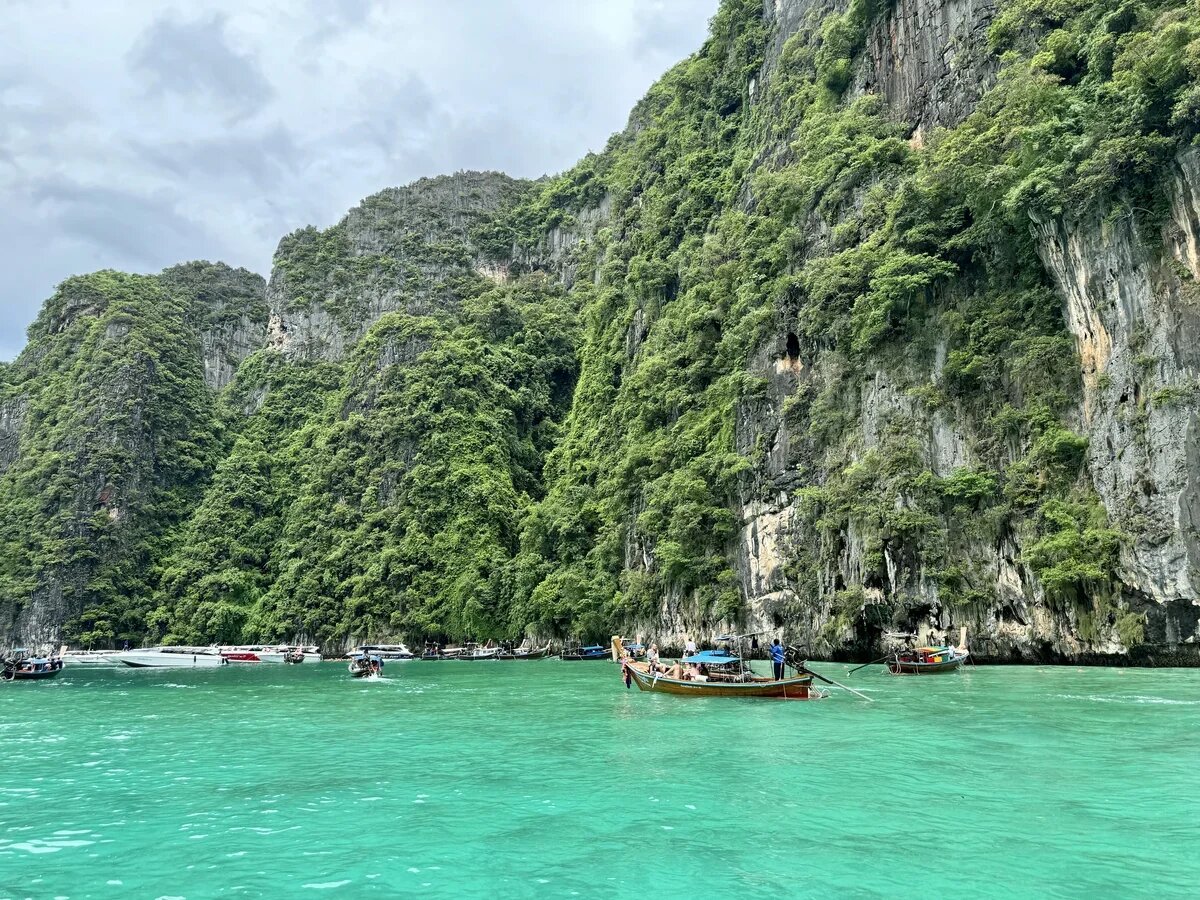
279,653
385,651
171,657
88,657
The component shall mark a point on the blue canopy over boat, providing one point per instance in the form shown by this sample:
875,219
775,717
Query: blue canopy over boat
712,658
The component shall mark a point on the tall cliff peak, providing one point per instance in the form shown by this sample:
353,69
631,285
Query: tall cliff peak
400,249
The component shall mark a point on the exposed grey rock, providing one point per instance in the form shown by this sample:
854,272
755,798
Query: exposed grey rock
399,250
12,416
1134,312
228,307
930,60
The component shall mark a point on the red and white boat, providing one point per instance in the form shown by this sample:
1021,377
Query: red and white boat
262,653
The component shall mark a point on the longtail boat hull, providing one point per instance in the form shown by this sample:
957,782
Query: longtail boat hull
797,688
927,661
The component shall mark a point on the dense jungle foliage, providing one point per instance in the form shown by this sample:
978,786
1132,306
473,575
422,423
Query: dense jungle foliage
528,453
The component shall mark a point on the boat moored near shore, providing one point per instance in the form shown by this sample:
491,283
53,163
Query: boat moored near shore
88,657
576,653
277,654
171,657
389,652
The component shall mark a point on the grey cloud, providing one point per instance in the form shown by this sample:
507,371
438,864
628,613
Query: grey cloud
265,160
195,59
137,228
664,25
396,110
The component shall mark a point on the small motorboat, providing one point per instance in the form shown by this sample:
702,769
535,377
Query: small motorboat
390,652
576,653
241,656
87,657
264,653
20,666
365,666
927,660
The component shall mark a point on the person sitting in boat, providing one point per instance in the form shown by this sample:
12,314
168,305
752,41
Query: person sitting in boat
676,671
652,658
694,673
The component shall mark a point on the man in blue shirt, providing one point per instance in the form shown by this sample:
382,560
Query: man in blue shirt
777,659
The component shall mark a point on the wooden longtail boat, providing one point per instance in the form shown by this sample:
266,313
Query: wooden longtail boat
21,667
526,653
592,651
927,661
728,676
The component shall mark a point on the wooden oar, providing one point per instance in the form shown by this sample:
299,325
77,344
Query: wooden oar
837,684
871,663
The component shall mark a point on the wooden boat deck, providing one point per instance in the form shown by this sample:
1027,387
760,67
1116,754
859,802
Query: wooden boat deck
795,688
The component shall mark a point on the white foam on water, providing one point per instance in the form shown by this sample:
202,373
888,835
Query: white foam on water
326,885
1130,700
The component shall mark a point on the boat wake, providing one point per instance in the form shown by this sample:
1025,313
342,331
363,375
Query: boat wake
1132,699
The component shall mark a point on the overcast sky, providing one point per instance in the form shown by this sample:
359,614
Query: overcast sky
139,133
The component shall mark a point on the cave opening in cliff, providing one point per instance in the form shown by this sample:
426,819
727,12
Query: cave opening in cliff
793,346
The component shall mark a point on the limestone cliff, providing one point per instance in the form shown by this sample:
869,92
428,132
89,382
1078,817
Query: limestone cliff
399,250
1129,302
880,317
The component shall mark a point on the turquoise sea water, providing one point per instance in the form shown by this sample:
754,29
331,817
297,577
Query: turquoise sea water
549,779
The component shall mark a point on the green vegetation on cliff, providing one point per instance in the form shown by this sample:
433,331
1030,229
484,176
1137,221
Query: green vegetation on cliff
117,442
775,289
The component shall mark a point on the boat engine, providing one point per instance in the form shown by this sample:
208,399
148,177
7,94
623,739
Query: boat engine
795,657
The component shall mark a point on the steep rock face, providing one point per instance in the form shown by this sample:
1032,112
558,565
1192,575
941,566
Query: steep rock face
827,378
1133,310
400,250
929,59
12,415
114,440
229,310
